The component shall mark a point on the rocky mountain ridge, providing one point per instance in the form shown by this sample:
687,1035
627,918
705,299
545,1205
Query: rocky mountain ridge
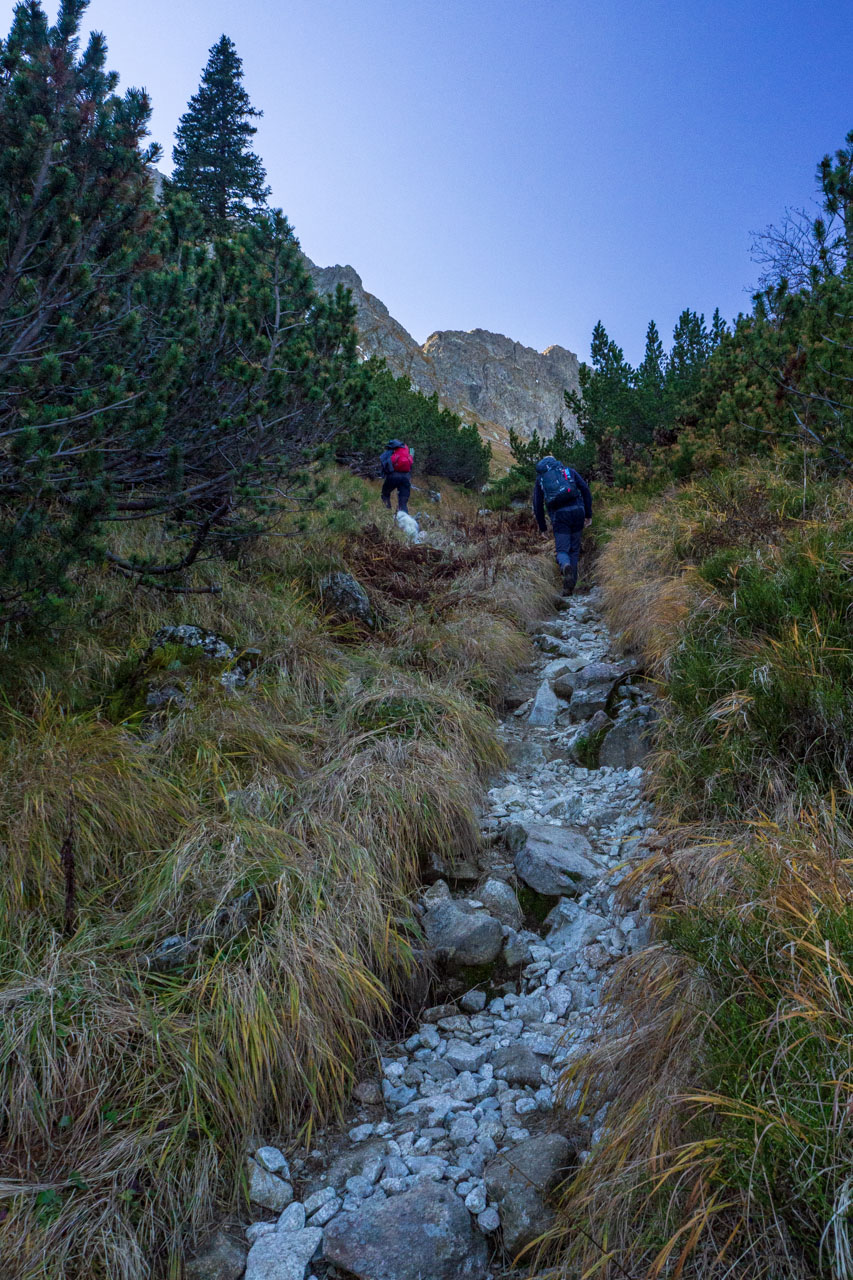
485,377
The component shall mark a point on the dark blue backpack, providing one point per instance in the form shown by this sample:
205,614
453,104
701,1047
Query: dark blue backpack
558,484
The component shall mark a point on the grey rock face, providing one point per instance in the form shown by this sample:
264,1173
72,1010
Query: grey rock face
627,744
500,901
423,1232
543,713
520,1181
463,937
344,595
573,927
283,1255
487,378
593,685
556,860
219,1258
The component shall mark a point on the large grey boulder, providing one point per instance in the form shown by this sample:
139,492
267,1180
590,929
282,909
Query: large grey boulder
593,686
556,860
283,1255
520,1180
571,927
500,901
543,713
517,1064
342,594
218,1258
462,935
628,742
423,1233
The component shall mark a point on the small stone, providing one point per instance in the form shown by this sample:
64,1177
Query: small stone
319,1198
367,1092
463,1056
361,1131
488,1221
257,1229
325,1213
268,1190
359,1186
473,1001
271,1159
475,1201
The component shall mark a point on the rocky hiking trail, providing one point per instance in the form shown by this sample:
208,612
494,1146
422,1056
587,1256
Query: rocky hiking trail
451,1153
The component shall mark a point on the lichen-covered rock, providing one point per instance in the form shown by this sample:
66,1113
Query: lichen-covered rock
520,1180
218,1258
425,1232
344,595
462,936
206,642
556,860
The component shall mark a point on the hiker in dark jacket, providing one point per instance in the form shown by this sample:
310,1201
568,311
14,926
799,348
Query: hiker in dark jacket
565,495
396,478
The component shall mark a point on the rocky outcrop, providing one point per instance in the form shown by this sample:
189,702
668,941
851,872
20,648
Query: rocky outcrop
488,379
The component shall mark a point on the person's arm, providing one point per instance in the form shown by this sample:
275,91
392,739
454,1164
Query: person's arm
585,494
385,462
539,507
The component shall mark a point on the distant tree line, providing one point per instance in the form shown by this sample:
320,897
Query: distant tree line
443,444
780,379
160,359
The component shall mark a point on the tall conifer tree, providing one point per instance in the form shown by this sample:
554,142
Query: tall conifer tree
212,157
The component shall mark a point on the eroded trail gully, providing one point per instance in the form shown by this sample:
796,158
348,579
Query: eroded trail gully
452,1151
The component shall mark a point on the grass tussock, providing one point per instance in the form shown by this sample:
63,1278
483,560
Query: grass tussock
308,798
725,1055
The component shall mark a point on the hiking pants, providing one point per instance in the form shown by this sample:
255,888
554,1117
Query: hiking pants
401,482
568,532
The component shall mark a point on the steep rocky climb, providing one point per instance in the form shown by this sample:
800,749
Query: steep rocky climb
452,1150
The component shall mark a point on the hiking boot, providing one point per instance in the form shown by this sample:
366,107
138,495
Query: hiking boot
570,577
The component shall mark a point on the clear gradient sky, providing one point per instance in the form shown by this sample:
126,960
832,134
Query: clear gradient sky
527,166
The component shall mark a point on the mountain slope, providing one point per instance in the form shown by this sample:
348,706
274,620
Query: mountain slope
485,377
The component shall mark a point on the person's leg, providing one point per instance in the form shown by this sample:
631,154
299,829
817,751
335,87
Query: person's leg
567,544
387,486
404,488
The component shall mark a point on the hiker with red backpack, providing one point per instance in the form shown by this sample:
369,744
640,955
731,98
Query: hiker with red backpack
396,463
565,495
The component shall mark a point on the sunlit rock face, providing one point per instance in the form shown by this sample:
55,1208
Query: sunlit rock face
485,377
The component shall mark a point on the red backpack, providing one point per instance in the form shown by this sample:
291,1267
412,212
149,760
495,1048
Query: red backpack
401,459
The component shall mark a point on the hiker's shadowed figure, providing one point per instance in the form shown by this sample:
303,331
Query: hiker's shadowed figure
396,463
565,495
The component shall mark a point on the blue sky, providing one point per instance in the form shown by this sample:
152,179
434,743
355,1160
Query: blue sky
528,166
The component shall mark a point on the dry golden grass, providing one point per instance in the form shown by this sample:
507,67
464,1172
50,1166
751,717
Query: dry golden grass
724,1049
649,592
128,1095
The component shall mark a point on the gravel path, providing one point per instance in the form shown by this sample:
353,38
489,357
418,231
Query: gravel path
452,1150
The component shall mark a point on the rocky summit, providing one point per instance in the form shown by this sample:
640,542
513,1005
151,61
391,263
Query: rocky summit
485,377
451,1160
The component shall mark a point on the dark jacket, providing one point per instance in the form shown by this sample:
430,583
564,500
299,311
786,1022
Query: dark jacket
583,489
